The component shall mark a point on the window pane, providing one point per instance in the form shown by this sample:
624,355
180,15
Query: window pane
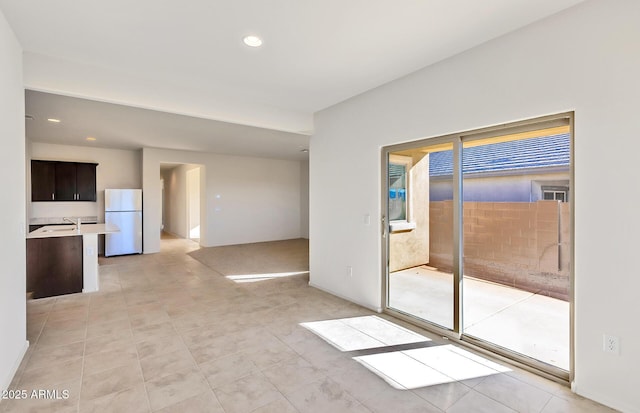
397,192
515,250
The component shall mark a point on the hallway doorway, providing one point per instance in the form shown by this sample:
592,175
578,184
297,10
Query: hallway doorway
182,195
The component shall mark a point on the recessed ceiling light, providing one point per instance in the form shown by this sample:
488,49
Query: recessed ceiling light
54,120
304,150
91,138
252,41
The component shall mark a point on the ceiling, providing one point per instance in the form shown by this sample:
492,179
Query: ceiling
126,127
188,58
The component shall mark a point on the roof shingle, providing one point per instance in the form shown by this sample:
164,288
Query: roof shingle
548,151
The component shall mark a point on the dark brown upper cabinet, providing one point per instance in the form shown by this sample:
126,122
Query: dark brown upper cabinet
63,181
43,180
86,181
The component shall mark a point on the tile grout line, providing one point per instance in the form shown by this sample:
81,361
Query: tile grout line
84,350
135,345
179,334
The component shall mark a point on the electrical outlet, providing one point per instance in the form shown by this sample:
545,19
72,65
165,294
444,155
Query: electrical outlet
349,271
611,344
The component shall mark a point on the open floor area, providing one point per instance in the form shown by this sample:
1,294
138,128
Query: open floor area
239,330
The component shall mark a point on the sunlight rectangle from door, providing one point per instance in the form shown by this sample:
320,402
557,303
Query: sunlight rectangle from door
248,278
359,333
429,366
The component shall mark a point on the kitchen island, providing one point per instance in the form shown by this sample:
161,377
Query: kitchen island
63,259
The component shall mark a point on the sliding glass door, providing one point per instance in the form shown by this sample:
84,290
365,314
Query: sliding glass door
517,240
478,238
420,269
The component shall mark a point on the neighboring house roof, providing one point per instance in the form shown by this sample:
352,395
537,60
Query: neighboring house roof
548,151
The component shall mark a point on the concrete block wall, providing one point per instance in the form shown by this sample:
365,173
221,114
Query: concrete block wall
441,234
519,244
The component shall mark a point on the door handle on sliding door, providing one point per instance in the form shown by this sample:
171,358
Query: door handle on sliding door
384,226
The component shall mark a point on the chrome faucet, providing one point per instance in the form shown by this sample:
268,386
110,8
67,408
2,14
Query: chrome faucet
76,222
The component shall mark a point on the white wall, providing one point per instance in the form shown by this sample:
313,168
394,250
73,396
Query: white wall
116,169
584,59
13,336
304,199
243,199
163,179
27,192
193,202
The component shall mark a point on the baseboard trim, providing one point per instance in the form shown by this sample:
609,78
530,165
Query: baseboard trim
173,234
16,366
606,400
376,309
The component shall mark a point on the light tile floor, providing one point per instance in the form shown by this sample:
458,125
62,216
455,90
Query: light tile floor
527,323
169,334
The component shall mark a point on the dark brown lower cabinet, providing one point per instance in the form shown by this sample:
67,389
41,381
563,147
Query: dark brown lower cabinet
54,266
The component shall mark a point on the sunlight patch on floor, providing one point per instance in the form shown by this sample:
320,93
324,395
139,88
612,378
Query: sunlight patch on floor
248,278
359,333
429,366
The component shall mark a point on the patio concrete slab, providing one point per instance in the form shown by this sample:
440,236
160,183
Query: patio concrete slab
530,324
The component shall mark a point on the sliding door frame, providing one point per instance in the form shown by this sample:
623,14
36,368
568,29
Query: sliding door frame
457,333
386,151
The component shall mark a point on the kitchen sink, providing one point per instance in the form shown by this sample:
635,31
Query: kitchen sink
67,229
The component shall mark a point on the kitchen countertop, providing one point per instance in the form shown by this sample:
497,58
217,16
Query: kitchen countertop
69,230
60,220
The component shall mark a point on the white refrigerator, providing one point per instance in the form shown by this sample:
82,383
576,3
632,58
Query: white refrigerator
123,208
